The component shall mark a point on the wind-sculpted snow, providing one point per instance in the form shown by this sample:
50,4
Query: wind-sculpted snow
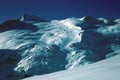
46,47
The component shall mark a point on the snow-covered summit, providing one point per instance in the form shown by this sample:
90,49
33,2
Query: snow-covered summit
35,48
27,17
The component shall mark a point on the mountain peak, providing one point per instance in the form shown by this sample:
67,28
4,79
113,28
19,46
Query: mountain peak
88,18
27,17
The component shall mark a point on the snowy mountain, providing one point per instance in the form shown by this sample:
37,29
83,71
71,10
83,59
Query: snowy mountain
31,46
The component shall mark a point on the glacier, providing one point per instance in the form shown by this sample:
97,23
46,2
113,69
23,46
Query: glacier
34,46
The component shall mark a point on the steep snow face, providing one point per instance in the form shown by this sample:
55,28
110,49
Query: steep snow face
80,58
45,47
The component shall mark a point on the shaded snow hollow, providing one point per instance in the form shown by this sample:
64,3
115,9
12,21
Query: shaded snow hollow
34,47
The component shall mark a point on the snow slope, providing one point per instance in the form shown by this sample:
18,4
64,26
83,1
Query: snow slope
108,69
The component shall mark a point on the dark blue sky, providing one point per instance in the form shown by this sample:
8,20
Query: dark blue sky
59,9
